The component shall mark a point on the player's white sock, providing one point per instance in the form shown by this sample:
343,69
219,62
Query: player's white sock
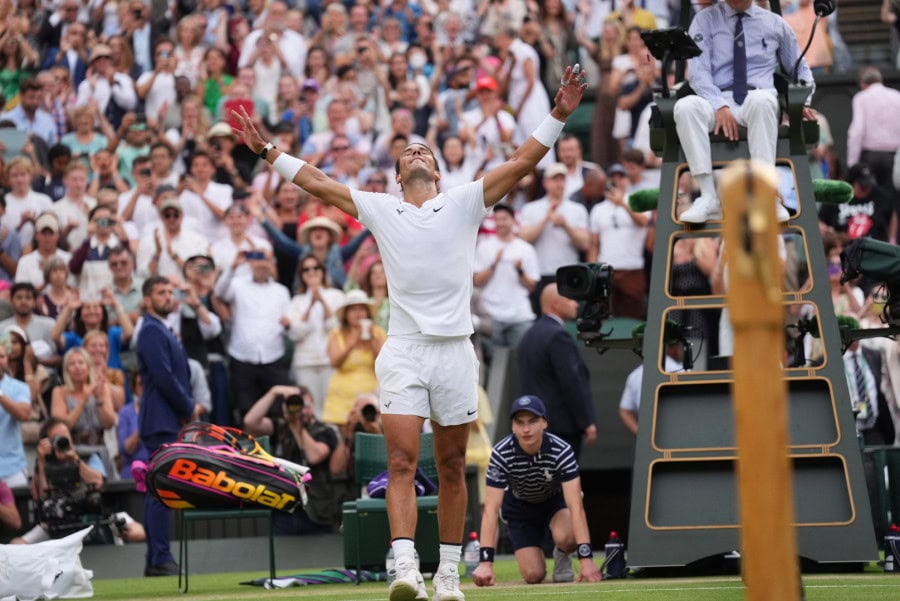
450,554
404,549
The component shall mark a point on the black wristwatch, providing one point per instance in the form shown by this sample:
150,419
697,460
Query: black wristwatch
265,150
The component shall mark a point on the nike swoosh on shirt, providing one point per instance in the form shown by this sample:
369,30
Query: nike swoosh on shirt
438,208
472,412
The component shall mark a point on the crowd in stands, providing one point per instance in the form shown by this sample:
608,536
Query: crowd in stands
119,163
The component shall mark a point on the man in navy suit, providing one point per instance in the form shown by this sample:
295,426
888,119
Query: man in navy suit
166,403
71,54
551,368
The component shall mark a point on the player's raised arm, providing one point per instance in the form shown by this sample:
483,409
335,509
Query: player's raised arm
498,182
309,177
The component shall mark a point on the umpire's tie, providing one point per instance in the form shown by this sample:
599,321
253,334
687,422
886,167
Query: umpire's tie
739,86
862,390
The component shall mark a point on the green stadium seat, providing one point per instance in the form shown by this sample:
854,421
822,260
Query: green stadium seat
366,530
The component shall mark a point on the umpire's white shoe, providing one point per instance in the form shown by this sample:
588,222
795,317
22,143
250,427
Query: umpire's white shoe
408,584
446,584
781,214
704,209
562,566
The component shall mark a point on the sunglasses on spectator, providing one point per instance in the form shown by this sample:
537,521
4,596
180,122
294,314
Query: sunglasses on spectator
378,181
171,214
339,148
309,268
361,50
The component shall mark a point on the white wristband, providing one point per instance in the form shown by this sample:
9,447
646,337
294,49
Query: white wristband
288,166
547,132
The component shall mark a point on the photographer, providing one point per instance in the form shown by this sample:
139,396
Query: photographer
66,489
365,417
287,414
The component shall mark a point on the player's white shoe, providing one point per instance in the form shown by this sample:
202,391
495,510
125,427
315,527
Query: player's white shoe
408,584
562,566
446,584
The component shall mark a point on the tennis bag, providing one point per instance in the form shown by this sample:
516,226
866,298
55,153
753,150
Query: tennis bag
217,474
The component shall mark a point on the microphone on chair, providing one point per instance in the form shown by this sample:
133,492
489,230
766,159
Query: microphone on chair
822,8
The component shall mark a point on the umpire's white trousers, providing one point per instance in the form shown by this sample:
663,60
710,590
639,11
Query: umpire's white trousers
695,119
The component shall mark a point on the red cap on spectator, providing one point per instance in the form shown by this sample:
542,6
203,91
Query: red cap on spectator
486,83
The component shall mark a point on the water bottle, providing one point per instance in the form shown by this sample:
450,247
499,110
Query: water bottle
892,549
389,564
471,554
615,557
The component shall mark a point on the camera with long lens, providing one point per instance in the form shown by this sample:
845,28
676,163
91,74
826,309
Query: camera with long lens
70,505
369,413
61,444
591,285
293,404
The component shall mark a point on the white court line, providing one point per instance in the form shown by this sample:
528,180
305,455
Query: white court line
601,589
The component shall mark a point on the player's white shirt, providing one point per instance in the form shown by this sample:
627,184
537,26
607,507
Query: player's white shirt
504,297
428,254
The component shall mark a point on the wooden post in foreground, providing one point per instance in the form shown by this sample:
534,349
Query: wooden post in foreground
768,540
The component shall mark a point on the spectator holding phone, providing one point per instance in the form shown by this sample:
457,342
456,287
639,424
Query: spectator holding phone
136,205
90,260
259,316
228,170
353,347
157,87
312,317
225,249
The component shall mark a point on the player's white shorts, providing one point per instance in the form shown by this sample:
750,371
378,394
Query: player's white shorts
431,377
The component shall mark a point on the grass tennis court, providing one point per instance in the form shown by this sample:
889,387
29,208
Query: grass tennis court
871,585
